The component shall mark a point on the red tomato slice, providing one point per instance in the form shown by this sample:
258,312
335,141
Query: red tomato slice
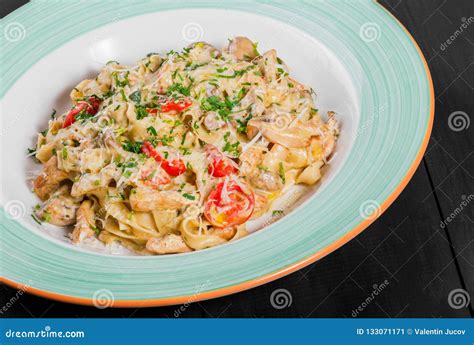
219,165
91,106
229,204
178,106
174,168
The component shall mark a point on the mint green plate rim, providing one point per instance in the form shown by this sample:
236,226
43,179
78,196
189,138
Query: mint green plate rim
391,148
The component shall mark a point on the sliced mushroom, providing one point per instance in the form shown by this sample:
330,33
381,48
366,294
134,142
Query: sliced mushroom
266,180
242,48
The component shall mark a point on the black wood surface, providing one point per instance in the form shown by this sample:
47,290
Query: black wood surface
407,255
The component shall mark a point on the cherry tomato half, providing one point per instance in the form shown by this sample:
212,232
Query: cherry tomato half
229,204
219,165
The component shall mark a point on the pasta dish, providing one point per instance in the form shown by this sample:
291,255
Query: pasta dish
180,151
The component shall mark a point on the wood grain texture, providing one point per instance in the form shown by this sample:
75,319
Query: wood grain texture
450,155
421,261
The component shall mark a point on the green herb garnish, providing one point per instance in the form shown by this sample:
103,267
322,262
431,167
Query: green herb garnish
189,196
152,131
141,112
281,172
130,146
64,153
277,213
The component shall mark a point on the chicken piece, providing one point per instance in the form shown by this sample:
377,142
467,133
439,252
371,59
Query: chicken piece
266,180
48,181
242,48
168,244
60,209
250,159
261,205
145,199
225,233
85,222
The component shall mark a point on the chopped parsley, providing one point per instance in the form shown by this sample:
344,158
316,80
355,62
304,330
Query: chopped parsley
36,219
180,89
141,112
121,82
152,131
237,73
108,94
83,117
232,149
125,166
124,97
242,124
281,172
64,153
166,140
130,146
185,151
276,213
189,196
223,108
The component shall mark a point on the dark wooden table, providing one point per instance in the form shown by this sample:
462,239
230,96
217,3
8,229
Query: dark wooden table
421,261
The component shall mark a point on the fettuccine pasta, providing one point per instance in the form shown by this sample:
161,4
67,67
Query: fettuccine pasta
178,152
